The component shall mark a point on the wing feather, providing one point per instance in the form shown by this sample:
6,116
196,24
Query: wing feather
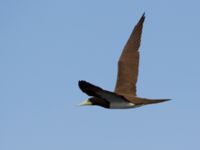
93,90
129,62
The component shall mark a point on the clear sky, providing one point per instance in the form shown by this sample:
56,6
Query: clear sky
46,46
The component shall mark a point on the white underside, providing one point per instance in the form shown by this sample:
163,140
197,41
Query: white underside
117,102
122,105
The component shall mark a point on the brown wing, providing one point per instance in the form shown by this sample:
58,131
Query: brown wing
128,62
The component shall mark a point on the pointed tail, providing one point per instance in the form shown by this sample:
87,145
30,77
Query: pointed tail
154,101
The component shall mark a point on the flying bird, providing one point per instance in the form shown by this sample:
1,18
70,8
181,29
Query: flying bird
124,95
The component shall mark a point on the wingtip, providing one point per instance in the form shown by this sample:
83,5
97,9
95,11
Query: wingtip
80,82
143,16
165,100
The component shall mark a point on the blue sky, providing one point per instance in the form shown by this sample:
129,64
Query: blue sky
47,46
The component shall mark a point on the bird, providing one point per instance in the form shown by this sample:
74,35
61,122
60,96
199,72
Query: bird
124,95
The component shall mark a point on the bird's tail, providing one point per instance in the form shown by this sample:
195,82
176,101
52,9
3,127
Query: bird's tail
154,101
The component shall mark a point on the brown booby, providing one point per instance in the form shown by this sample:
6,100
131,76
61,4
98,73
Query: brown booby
124,95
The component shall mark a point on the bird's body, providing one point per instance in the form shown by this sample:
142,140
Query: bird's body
124,95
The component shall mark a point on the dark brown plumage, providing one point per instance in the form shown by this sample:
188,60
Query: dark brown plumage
124,95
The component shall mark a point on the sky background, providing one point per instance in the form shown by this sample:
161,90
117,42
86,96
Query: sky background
47,46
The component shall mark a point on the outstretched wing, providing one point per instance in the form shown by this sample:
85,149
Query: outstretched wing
128,63
96,91
89,89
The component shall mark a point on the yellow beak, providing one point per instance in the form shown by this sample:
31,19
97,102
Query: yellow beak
86,102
